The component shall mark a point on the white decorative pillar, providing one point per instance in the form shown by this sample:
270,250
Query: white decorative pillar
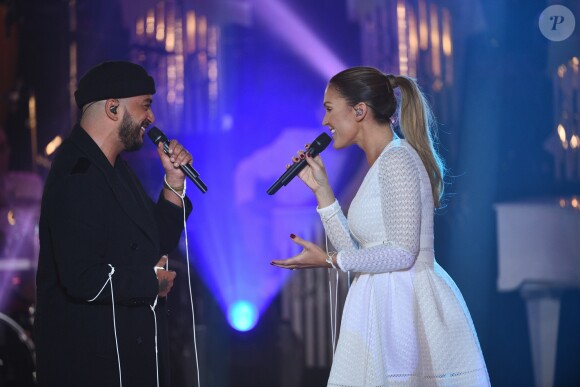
543,306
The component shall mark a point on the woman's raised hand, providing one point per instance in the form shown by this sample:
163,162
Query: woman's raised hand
310,257
315,177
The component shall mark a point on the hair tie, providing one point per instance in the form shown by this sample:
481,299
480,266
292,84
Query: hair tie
392,81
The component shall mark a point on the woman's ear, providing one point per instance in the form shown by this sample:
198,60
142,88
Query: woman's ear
360,111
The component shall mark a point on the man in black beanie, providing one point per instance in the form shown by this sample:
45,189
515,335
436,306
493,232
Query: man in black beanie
101,285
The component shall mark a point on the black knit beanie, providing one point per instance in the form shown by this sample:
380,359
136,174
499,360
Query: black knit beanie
115,79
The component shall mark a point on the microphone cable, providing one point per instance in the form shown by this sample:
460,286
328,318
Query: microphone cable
333,311
182,197
110,280
155,320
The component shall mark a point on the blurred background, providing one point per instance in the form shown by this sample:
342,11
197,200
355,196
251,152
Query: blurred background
241,83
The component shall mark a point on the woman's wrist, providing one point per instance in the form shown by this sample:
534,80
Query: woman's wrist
331,260
324,196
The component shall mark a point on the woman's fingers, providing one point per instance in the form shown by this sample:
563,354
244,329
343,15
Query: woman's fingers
308,257
291,264
299,241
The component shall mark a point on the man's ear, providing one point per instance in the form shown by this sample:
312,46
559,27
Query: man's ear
111,109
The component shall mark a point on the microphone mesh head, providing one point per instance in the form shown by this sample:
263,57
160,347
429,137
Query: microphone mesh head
321,142
156,135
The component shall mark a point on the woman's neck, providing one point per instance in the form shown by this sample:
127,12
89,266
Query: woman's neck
376,138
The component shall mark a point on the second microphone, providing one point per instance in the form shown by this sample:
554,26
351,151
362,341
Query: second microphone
317,146
156,135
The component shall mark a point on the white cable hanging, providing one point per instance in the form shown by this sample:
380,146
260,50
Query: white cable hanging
182,197
110,281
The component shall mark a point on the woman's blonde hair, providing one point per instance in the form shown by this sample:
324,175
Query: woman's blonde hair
376,90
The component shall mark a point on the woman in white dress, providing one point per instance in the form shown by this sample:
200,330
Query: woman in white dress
405,322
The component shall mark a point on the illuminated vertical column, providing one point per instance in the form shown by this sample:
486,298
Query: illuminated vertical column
179,61
402,35
413,37
190,31
202,44
170,41
140,31
561,120
159,23
575,120
435,47
553,146
150,24
173,40
33,129
565,146
212,68
574,64
409,37
447,45
423,26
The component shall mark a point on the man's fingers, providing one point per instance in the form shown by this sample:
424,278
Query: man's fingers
162,262
171,148
167,274
165,278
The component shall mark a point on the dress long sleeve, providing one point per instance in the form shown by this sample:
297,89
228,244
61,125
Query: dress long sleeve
404,320
400,197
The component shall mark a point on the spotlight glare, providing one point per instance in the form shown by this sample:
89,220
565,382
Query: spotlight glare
242,316
299,36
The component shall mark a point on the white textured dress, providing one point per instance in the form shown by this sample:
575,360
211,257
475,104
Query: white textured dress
405,322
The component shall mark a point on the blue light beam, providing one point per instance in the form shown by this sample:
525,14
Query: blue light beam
243,316
299,37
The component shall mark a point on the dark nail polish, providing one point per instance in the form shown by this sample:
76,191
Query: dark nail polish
292,236
302,156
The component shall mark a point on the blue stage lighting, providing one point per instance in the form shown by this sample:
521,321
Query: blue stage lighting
243,316
233,252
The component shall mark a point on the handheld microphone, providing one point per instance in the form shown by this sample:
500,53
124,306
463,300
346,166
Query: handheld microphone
156,135
317,146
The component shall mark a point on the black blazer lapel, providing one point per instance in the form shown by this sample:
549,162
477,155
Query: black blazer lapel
134,205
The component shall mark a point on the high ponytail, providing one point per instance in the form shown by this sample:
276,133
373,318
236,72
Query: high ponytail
417,126
376,89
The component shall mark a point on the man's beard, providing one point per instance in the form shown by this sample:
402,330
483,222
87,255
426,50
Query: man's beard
130,133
